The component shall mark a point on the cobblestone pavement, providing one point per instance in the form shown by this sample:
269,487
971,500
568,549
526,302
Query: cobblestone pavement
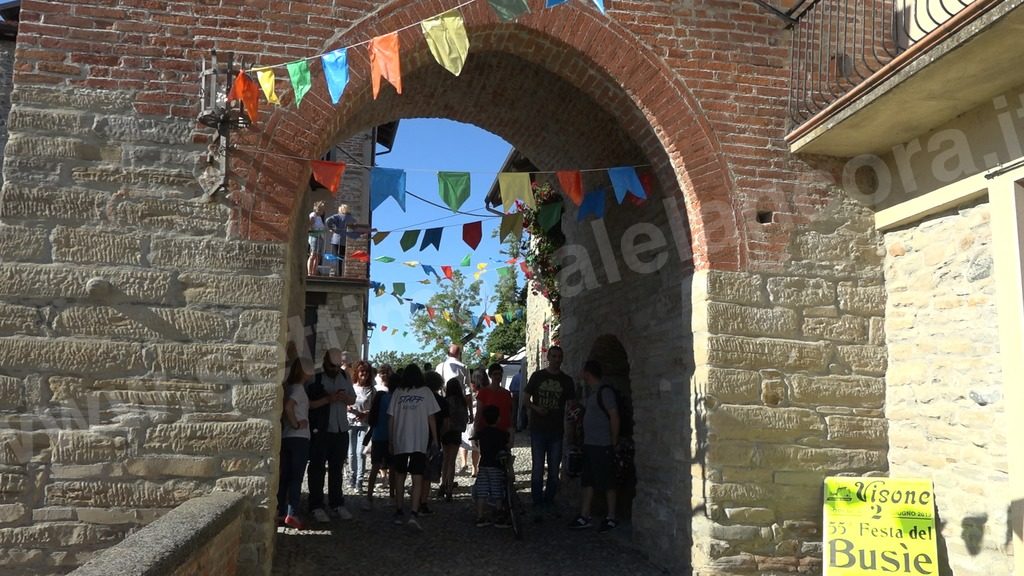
451,543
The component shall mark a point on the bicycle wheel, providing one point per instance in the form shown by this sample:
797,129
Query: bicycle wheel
514,513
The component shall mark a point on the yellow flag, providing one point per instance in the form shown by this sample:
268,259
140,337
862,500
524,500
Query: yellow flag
446,36
476,275
515,186
447,315
267,80
499,318
481,266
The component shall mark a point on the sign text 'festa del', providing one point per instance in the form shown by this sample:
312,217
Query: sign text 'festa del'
879,526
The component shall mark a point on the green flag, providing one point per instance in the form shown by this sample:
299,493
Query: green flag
503,272
509,9
453,188
549,215
466,260
511,224
399,288
298,72
409,239
379,237
384,259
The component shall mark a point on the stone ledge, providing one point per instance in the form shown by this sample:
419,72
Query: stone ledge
168,543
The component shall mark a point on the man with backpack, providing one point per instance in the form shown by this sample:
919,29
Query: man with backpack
601,427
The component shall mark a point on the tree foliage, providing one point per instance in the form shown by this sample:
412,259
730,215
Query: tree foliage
460,300
400,359
506,339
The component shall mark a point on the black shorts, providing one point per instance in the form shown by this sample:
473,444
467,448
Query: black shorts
452,438
379,454
598,462
414,463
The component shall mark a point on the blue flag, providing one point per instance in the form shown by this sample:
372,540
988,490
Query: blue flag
336,71
387,183
625,181
593,203
430,270
600,6
553,3
431,236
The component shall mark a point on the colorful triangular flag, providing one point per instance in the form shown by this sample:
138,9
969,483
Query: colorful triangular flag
447,39
379,237
572,184
361,255
500,319
472,232
430,312
509,9
453,187
626,181
593,203
515,186
335,66
384,259
600,6
398,288
431,236
511,224
447,270
466,261
268,82
409,239
429,270
549,215
503,272
246,91
411,263
387,183
425,281
385,62
553,3
328,173
298,73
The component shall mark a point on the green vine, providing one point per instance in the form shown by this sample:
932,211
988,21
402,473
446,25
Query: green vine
540,252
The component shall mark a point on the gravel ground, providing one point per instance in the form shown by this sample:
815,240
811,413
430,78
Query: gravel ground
450,543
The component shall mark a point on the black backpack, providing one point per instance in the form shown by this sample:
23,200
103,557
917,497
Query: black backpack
625,409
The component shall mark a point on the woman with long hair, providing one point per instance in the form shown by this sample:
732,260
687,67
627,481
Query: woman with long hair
294,443
358,417
451,439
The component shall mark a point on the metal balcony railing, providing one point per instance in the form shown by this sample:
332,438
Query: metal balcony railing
345,268
837,44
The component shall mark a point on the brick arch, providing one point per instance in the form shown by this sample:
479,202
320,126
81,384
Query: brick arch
574,43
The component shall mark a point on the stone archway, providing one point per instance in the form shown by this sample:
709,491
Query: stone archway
118,284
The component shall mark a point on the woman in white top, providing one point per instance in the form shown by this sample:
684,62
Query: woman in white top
316,236
294,443
358,417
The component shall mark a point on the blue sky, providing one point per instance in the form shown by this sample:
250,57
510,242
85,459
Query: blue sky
422,148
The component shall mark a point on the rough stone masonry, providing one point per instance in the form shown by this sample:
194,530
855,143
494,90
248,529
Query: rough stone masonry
141,332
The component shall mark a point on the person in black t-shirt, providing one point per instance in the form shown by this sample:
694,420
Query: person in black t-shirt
547,392
489,489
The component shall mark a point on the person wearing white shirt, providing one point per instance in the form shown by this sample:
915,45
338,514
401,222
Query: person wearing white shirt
330,394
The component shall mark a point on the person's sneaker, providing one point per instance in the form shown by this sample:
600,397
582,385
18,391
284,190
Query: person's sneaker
368,504
482,522
425,510
294,522
320,515
414,523
608,524
343,513
580,522
399,518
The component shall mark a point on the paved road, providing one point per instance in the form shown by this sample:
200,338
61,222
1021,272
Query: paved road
451,544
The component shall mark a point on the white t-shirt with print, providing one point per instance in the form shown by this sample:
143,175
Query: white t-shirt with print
410,410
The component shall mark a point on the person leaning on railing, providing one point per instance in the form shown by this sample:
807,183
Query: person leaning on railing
339,224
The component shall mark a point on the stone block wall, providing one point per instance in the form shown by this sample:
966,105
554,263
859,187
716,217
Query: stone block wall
946,402
140,354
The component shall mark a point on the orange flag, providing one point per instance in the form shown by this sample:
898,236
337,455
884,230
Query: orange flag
361,255
328,174
385,62
248,92
572,184
430,312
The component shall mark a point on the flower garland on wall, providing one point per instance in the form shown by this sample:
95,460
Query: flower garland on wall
544,243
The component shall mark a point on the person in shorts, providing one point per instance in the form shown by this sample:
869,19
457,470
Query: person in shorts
378,434
600,436
413,429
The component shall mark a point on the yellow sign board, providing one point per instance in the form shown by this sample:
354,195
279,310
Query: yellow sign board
879,527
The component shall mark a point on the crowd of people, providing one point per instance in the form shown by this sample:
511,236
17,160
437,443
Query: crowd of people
389,424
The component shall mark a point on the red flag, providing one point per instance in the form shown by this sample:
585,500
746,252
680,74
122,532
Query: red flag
361,255
383,328
430,312
525,269
487,320
572,184
248,92
447,271
471,234
328,174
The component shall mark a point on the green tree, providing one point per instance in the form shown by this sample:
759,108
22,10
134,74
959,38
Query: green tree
506,339
459,300
400,359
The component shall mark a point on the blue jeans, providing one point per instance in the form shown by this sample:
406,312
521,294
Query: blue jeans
355,455
294,455
545,445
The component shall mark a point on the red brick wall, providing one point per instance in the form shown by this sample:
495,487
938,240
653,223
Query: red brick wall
699,87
